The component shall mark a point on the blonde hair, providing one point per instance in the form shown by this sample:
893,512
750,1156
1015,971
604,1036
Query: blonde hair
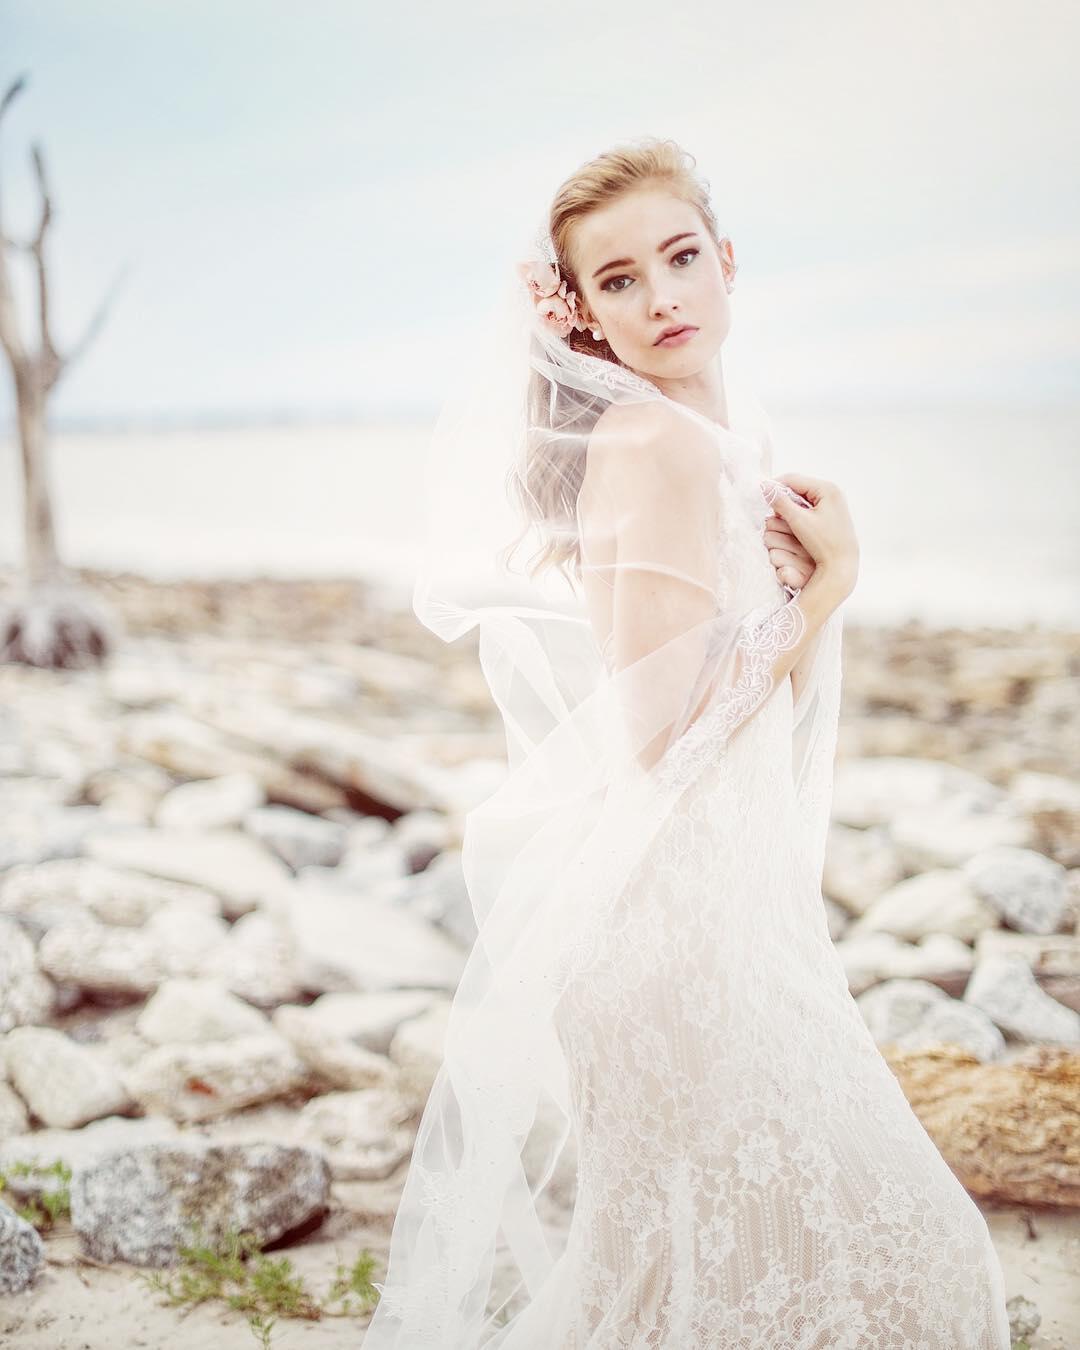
550,486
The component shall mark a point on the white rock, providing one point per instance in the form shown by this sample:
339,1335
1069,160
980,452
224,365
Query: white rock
1027,889
351,943
83,1145
191,1011
14,1117
186,940
1004,988
100,958
26,995
874,790
200,1082
259,960
859,866
371,1020
897,1007
938,901
212,803
62,1082
111,894
338,1060
298,838
232,865
947,833
418,1048
364,1135
955,1022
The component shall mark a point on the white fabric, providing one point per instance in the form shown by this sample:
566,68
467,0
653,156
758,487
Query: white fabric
660,1120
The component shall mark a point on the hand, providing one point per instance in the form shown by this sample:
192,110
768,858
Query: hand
794,565
825,529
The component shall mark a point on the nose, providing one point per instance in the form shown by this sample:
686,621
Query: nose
661,302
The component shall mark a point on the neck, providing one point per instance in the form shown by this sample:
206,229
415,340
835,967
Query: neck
703,391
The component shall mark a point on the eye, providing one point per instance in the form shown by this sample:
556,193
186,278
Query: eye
688,253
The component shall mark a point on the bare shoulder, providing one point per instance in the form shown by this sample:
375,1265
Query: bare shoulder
650,445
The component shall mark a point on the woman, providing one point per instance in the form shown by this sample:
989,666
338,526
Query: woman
660,1120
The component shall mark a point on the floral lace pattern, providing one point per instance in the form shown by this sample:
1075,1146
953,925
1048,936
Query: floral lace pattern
746,1171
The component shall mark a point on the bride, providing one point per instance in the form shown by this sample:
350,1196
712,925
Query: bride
660,1120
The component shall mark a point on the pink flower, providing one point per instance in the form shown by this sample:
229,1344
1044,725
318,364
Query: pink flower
542,278
556,306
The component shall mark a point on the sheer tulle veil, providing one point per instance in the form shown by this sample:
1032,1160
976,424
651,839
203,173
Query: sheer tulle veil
602,738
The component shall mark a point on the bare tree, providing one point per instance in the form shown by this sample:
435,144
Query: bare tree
52,620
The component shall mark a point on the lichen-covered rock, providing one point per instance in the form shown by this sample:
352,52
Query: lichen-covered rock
142,1205
21,1252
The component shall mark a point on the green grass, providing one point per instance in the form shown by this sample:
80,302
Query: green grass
42,1211
237,1273
234,1271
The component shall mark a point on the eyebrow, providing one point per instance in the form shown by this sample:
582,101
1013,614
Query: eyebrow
626,262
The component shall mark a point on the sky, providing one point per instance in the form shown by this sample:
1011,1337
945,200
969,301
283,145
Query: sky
306,205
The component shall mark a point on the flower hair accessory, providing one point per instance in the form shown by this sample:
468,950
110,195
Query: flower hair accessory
556,306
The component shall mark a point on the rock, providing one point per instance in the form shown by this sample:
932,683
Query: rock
37,836
1025,888
231,865
1009,1131
83,1145
26,995
100,959
439,893
191,1011
62,1083
1050,955
258,960
21,1252
200,1082
14,1117
938,901
417,1049
298,839
187,941
210,804
112,895
873,791
948,833
860,865
1052,804
955,1023
1004,988
421,836
143,1204
352,944
364,1135
334,1058
896,1007
1024,1318
370,1020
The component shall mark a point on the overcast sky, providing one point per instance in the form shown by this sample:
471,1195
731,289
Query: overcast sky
309,197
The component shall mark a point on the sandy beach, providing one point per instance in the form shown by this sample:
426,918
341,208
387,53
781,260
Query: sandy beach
288,686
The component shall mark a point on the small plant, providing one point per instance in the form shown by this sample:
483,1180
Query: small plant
42,1211
242,1276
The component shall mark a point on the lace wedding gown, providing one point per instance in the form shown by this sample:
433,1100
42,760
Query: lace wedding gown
748,1174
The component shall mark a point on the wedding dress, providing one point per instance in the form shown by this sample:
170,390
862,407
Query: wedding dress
661,1122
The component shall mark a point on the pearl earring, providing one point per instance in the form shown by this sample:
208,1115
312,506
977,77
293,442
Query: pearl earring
597,334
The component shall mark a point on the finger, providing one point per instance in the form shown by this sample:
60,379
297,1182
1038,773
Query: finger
803,483
779,556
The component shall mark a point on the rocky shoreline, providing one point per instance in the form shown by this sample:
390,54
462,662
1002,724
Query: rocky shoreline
232,920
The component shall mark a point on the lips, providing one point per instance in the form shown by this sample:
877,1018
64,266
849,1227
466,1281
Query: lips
684,330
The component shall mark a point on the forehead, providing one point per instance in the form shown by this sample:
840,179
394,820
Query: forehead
631,226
